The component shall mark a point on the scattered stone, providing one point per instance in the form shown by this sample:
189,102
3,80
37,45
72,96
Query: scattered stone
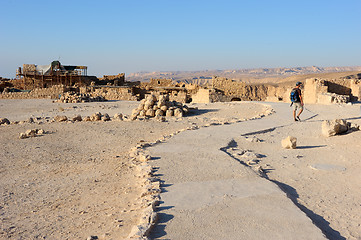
23,135
31,132
40,131
4,121
87,119
61,118
77,118
105,117
289,142
334,127
92,238
30,120
96,117
118,117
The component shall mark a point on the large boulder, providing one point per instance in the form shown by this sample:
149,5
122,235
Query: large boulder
334,127
289,142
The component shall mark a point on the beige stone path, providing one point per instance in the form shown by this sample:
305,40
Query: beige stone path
209,195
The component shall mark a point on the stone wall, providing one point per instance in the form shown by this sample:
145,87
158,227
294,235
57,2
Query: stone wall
235,89
51,92
117,80
111,93
202,96
327,91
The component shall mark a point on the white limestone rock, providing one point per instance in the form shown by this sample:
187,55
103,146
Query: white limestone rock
289,142
334,127
59,118
178,112
118,117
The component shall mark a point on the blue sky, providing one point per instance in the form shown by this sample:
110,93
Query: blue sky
111,37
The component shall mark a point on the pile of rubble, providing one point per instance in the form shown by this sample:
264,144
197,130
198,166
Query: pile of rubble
73,97
152,107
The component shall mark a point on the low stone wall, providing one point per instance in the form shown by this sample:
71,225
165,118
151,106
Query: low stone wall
235,89
53,92
109,93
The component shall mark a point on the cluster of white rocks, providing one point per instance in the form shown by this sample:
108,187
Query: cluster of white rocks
152,107
73,97
32,133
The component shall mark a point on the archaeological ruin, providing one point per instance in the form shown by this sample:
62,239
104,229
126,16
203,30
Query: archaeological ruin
72,84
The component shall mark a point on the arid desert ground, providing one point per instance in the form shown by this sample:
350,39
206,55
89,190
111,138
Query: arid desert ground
77,179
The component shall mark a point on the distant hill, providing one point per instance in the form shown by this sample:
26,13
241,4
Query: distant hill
256,75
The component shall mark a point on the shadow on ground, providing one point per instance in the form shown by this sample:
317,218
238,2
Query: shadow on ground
318,220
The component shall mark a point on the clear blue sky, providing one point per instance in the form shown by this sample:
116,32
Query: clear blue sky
111,37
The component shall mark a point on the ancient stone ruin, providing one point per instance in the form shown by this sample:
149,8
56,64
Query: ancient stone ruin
70,84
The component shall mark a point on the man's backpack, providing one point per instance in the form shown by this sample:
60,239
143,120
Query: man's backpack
295,95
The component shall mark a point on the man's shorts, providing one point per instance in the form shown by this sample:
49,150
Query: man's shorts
297,105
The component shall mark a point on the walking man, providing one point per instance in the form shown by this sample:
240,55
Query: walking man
297,101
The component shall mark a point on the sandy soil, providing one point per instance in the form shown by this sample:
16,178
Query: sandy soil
77,179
